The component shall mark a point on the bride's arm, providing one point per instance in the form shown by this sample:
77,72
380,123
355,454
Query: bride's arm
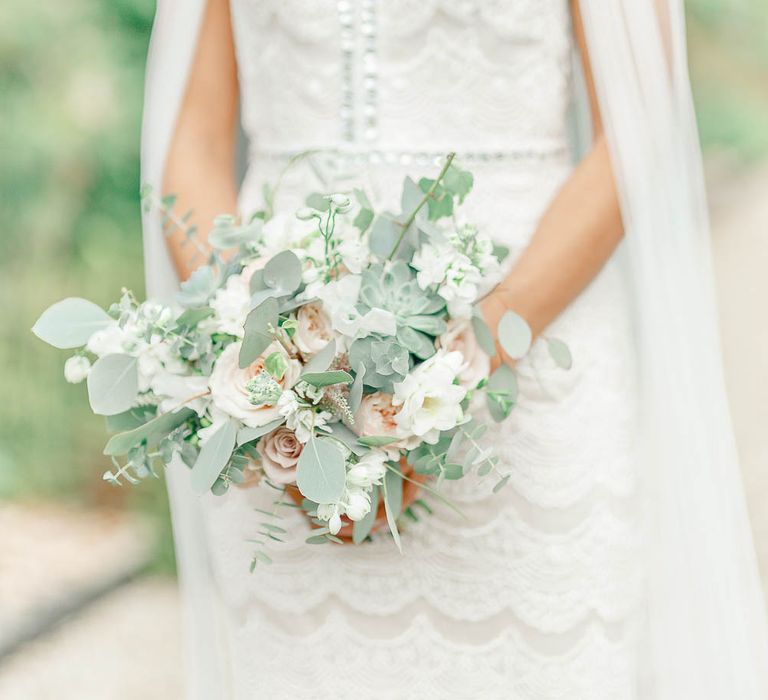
200,165
576,235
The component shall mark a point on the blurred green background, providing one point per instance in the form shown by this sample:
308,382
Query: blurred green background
71,78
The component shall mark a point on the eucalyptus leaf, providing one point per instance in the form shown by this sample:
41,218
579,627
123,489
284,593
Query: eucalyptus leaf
257,335
501,393
213,457
113,384
70,323
514,335
356,390
344,435
130,419
384,234
483,335
247,434
152,431
362,528
191,317
411,197
322,359
501,483
376,440
283,272
392,486
560,353
196,290
320,472
329,378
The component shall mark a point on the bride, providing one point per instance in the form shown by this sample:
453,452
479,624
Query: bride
618,563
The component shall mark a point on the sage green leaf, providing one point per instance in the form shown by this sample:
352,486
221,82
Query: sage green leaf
276,364
257,334
320,472
501,483
130,419
70,323
344,435
191,317
362,528
365,215
213,457
283,272
434,325
150,432
411,197
384,234
392,486
453,471
113,384
458,182
246,434
322,359
196,290
356,390
483,335
376,440
317,201
560,353
501,393
321,379
514,335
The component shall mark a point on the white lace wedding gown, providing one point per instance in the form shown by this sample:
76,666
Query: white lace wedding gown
535,595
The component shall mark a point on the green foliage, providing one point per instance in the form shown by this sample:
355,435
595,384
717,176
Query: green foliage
320,472
214,456
70,322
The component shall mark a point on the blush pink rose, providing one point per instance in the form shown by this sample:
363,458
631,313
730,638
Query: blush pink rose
313,329
376,416
280,451
459,337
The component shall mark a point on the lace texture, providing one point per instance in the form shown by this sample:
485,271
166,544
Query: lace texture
534,593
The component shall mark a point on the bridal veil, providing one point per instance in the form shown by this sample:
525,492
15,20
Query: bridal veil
706,633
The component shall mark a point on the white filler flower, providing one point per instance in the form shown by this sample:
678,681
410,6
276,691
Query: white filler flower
429,400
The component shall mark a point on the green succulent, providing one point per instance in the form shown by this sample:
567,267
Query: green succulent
417,311
386,361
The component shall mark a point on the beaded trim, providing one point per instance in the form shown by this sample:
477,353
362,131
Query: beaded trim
348,38
355,157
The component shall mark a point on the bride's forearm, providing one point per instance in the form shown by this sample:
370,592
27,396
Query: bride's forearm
200,165
576,235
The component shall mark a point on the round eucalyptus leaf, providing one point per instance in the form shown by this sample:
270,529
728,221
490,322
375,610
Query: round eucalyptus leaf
320,472
70,323
213,457
514,335
483,335
113,383
283,272
257,335
560,353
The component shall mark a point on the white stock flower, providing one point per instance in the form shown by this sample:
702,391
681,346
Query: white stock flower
357,503
76,369
173,390
429,400
113,339
369,470
330,512
300,417
231,303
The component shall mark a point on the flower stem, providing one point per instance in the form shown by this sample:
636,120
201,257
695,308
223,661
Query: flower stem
427,195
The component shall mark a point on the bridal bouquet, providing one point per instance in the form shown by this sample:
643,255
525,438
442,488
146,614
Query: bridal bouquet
335,355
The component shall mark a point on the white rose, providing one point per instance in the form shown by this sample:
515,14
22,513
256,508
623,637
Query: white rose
76,369
228,384
280,452
459,337
429,400
313,329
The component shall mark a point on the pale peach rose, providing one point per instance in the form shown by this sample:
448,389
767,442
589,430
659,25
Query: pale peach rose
228,384
280,451
460,337
313,329
376,416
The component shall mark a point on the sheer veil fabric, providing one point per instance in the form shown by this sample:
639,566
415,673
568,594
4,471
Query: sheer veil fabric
706,634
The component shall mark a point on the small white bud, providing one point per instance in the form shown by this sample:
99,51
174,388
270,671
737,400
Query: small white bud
76,369
306,213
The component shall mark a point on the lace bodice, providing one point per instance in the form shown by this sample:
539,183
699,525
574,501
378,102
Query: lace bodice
476,76
532,596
